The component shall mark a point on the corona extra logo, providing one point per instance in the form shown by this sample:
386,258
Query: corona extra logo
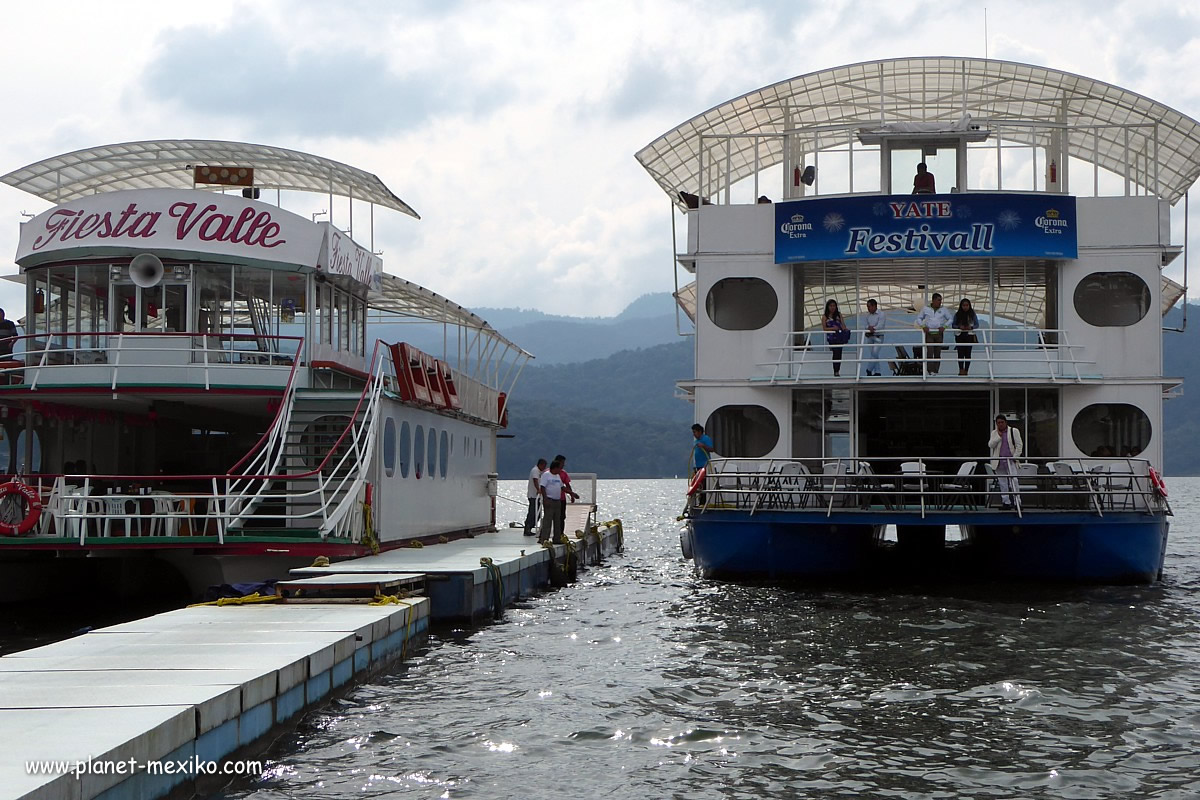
1051,222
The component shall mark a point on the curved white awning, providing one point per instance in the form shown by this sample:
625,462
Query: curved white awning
168,164
935,89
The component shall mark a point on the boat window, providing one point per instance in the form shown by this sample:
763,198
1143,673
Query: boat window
418,451
389,447
1111,430
445,454
432,454
743,431
1035,413
36,465
405,448
741,304
1112,299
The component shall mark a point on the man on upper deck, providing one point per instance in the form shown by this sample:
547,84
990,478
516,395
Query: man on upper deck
8,334
923,182
934,320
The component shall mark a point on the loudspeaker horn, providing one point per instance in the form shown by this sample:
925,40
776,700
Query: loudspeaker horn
146,270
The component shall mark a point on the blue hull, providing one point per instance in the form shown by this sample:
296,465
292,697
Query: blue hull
1081,548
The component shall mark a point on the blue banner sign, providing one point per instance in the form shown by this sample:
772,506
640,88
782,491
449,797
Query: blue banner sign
926,226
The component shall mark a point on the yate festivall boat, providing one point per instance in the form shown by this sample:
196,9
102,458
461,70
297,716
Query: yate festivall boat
208,378
1049,209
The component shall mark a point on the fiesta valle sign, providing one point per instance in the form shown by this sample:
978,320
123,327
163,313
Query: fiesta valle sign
171,221
926,226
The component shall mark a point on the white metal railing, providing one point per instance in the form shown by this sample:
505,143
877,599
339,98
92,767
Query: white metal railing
997,352
116,358
917,486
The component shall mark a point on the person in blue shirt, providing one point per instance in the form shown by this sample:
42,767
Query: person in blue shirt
701,447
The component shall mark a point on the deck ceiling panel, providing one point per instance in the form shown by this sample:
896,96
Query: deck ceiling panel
927,90
168,163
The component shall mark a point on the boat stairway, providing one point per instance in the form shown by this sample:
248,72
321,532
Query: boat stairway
293,506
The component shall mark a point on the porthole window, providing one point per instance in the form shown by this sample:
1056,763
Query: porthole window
444,456
405,448
741,304
1111,430
1112,299
389,447
418,451
432,454
743,431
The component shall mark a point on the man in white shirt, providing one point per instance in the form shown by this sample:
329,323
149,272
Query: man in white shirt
551,487
934,320
534,495
875,322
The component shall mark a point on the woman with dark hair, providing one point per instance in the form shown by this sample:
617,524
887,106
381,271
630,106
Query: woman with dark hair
837,333
965,322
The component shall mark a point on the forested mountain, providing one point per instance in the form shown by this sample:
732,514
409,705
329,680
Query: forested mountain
1181,415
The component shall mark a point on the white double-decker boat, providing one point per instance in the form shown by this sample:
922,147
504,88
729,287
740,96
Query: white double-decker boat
1043,198
198,375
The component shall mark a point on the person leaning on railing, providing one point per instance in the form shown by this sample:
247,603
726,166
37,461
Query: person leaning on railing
8,334
965,322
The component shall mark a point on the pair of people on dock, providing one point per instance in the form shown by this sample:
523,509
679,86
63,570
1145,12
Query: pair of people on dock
553,488
932,320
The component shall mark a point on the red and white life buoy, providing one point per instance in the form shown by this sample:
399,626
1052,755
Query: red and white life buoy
1160,486
33,508
697,482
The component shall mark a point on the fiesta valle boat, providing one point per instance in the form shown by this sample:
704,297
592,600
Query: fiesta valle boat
1045,198
199,377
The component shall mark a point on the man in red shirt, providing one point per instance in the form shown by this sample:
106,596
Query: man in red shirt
923,182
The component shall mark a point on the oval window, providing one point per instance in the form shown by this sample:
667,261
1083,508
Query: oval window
1112,299
389,447
404,450
741,304
418,451
432,454
444,455
743,431
1111,430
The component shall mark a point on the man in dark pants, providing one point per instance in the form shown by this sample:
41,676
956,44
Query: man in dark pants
533,494
8,333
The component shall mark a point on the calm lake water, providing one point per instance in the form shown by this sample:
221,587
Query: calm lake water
644,681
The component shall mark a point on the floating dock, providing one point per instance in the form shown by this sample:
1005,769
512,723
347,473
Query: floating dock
141,709
473,579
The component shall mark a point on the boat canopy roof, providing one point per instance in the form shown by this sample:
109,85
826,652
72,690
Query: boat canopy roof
938,91
398,296
168,164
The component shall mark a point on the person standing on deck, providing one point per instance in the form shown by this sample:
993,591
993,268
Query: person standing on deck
550,486
875,322
1006,446
934,320
534,495
8,334
569,495
923,181
701,447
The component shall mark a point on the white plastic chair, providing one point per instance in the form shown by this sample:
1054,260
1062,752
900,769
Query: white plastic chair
118,508
168,510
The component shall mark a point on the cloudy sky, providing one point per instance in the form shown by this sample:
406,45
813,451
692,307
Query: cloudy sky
509,126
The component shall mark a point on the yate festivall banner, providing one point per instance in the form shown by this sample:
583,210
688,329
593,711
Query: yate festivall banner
926,226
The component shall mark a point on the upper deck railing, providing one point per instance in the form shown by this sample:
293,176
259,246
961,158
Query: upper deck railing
1023,353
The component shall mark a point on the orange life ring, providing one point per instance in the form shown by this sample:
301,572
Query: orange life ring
697,481
1160,486
33,512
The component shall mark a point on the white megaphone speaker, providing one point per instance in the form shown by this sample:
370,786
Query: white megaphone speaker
146,270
